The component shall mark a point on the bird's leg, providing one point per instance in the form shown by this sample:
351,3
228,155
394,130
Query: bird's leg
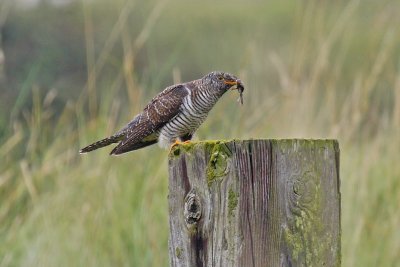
186,138
182,140
177,142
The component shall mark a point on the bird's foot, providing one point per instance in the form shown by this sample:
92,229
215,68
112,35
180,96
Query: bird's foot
177,142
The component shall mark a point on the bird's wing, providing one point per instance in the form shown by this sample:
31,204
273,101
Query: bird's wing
161,109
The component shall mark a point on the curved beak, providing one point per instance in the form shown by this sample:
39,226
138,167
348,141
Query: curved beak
237,85
232,83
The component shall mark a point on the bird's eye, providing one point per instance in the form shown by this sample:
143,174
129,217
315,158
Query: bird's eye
220,78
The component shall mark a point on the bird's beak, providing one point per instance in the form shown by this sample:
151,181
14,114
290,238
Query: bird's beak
233,83
237,85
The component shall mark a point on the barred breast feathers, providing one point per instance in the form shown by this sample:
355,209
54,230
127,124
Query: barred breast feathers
176,126
193,111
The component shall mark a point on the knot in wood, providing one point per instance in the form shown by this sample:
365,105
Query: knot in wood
304,191
192,210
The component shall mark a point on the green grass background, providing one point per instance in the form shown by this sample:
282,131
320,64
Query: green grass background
79,71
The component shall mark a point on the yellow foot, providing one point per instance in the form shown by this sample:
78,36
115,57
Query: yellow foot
177,142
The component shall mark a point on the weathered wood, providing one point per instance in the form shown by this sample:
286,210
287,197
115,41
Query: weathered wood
255,203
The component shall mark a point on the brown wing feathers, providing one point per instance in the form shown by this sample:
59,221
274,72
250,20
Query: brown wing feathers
156,114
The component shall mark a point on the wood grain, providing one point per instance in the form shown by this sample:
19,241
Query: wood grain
255,203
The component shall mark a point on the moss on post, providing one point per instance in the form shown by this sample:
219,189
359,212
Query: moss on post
256,201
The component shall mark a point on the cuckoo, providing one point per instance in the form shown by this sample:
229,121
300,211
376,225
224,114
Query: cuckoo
173,115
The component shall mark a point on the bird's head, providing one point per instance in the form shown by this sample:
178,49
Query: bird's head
222,82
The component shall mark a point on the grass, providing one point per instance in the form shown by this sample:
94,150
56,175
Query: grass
312,70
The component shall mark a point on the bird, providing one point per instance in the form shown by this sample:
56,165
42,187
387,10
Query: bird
173,115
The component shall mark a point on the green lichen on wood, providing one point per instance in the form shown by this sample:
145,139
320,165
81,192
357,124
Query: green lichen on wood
233,199
178,252
304,235
218,165
308,249
219,152
177,149
189,147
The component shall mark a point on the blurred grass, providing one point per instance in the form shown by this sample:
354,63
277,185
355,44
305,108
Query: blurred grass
75,73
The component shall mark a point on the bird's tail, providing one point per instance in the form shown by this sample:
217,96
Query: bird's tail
102,143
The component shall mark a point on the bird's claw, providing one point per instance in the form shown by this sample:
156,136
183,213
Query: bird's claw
177,142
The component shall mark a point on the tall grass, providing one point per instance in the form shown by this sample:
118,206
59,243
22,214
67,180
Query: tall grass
312,69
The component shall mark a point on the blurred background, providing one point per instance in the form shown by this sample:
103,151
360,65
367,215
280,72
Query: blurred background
72,72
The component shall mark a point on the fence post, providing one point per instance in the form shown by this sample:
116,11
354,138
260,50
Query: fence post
255,203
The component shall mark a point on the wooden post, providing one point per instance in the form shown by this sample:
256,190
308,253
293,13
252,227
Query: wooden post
255,203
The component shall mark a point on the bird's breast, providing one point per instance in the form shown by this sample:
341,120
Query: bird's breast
193,111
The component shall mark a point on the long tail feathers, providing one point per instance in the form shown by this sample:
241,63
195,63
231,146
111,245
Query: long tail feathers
102,143
123,149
